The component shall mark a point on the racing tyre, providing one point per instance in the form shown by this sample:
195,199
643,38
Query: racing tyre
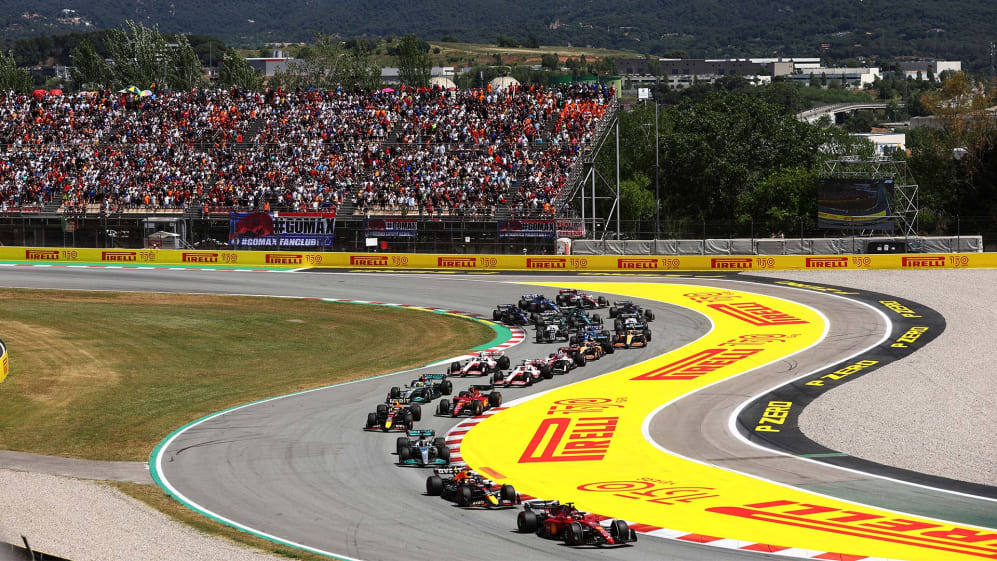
478,408
579,359
602,301
647,335
382,410
444,407
496,315
416,411
446,387
648,315
497,378
546,373
573,533
618,326
371,420
597,319
494,399
464,497
443,453
399,442
527,522
612,312
395,392
620,531
540,338
427,395
408,420
440,442
404,453
454,367
434,486
572,340
508,493
609,349
503,362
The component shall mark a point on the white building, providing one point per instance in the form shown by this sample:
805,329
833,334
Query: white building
886,142
933,67
855,77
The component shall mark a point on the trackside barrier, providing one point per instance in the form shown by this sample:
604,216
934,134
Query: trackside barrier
423,261
4,364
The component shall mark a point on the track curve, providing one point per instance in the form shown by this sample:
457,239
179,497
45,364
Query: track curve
289,468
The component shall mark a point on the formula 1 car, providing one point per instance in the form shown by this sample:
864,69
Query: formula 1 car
595,334
551,328
525,374
427,388
471,401
393,415
630,338
510,314
536,303
467,488
571,297
629,320
484,364
551,519
588,350
422,448
564,360
577,317
628,306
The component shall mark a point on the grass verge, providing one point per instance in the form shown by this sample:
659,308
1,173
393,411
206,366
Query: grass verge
106,376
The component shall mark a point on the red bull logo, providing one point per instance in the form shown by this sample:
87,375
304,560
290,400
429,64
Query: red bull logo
372,261
256,224
41,254
827,262
200,257
118,256
283,258
546,263
757,314
635,263
699,364
456,262
730,263
584,439
922,262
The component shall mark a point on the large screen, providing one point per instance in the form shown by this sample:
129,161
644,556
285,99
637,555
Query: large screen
855,204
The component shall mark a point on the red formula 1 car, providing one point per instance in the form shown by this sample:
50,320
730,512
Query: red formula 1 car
472,401
571,297
483,364
551,519
526,374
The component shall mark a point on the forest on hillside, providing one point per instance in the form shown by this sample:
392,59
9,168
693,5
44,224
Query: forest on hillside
837,29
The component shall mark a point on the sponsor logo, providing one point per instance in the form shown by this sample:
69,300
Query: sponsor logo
378,261
899,308
775,413
843,372
909,338
936,536
652,490
200,257
546,263
565,439
699,364
730,263
757,314
119,256
827,262
41,254
283,258
637,263
457,262
922,262
814,287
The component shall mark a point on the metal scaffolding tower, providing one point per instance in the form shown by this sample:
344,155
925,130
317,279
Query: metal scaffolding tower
904,205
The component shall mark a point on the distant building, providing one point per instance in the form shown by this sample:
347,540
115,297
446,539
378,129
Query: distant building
270,66
391,75
683,73
854,77
924,67
886,143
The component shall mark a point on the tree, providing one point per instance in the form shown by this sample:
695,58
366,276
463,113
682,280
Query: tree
90,70
184,65
12,77
414,63
550,61
236,72
357,69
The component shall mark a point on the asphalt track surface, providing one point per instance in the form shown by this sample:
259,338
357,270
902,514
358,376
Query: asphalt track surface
300,468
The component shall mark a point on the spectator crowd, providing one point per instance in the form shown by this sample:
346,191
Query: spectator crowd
425,150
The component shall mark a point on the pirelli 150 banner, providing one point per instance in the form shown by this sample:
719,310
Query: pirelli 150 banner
855,204
279,230
4,365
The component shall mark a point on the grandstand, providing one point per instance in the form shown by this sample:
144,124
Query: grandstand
428,152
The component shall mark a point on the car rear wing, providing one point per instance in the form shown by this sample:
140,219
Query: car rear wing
540,504
416,433
492,354
435,376
623,303
568,291
448,471
532,296
482,387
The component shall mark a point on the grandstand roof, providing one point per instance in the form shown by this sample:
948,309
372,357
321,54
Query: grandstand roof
445,83
504,82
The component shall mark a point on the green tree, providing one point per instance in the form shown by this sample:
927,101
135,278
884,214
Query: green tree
184,65
357,69
12,77
414,63
236,72
550,61
90,70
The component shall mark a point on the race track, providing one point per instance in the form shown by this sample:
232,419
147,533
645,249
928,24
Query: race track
300,469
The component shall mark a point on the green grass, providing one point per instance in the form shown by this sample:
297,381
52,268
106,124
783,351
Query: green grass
106,376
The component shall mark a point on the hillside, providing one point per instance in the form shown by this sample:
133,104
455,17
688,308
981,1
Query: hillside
713,28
